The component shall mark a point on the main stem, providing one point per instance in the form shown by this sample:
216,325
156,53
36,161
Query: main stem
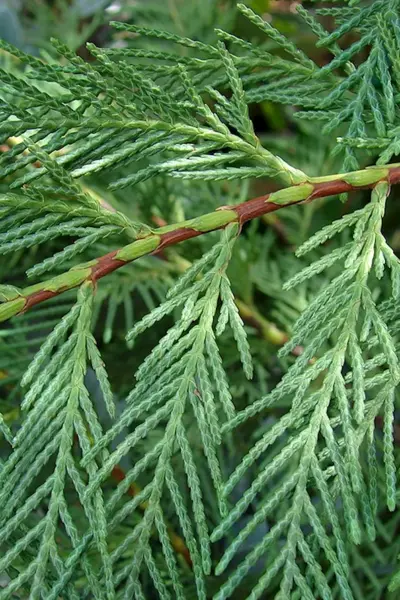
317,187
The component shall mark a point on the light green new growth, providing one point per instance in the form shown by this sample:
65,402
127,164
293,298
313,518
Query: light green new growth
208,465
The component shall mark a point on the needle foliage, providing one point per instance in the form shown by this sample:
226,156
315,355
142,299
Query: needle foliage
213,418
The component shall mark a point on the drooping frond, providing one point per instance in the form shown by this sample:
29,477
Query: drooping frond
338,389
59,426
181,382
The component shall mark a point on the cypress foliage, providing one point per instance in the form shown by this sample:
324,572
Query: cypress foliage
213,418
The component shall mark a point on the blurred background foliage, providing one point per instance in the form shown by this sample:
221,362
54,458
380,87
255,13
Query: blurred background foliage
263,257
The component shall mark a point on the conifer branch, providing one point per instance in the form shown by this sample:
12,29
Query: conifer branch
315,187
106,490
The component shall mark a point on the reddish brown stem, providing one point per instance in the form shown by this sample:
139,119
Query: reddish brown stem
160,239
